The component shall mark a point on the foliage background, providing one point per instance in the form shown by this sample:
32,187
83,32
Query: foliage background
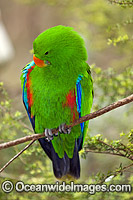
107,30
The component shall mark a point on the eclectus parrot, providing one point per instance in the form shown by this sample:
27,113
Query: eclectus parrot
58,89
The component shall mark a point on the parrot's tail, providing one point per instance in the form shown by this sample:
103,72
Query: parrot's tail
62,166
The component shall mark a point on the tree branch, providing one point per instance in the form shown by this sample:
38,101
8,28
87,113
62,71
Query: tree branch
17,155
76,122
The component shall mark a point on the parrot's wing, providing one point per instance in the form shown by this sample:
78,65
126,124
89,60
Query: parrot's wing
84,99
27,94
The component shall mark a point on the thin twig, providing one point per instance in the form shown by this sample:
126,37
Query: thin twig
128,3
125,168
116,173
25,126
112,148
107,152
76,122
126,147
17,155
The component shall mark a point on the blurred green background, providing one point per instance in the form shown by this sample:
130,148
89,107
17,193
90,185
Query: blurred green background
107,30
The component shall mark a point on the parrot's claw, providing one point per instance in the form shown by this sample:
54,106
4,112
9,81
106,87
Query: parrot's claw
48,134
56,134
62,129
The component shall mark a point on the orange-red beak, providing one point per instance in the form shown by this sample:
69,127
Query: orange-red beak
38,62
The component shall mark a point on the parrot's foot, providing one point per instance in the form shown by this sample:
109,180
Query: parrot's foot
48,134
64,130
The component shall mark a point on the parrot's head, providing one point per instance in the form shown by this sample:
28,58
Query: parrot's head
58,45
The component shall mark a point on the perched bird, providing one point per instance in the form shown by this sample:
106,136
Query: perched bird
58,89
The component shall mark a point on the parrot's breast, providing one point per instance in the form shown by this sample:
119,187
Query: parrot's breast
53,99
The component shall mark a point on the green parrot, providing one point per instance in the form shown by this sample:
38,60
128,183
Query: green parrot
58,89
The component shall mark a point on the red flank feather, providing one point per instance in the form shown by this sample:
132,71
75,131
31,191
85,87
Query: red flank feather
29,89
71,102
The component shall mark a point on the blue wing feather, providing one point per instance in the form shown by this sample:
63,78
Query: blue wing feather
78,102
24,94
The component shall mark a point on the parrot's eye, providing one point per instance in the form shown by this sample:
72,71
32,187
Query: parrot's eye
46,53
